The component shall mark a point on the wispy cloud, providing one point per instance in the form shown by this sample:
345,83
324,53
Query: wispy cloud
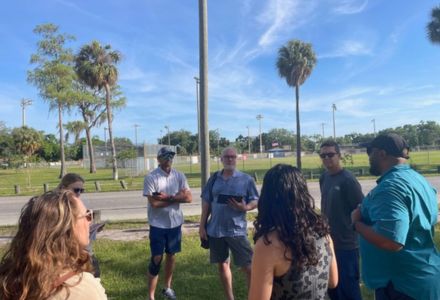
350,48
349,7
281,15
74,6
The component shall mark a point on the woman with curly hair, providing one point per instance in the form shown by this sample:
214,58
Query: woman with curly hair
293,255
47,257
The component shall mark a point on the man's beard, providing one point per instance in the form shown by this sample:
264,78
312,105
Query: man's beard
374,169
229,167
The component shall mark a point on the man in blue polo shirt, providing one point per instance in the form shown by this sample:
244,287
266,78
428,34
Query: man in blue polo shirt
227,196
396,226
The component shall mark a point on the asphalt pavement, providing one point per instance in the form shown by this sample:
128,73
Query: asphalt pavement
126,205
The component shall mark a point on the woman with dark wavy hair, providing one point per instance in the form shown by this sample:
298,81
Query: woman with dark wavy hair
293,255
47,257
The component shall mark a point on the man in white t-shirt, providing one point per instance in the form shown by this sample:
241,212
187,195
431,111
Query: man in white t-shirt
165,189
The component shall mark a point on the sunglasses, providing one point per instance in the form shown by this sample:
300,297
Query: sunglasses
329,155
88,215
78,191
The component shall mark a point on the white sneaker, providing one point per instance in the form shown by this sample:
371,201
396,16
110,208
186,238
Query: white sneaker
169,294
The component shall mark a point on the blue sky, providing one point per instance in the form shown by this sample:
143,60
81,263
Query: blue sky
374,62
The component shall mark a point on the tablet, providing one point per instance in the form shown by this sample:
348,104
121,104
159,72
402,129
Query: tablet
222,198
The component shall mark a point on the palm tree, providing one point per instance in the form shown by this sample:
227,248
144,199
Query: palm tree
433,27
296,61
95,65
75,128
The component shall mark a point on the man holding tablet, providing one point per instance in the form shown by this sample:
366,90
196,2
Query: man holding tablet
226,197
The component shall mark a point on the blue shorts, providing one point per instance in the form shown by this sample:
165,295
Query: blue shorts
165,240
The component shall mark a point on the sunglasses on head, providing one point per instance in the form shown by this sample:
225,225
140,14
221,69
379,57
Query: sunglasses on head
78,191
88,215
329,155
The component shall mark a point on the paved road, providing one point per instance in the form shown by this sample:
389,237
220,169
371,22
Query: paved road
131,204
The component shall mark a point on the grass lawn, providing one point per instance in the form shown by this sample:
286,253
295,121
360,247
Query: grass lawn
31,180
124,266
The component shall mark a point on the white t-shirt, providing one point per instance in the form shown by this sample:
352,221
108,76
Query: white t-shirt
159,181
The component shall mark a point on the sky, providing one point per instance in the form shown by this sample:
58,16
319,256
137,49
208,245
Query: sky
374,62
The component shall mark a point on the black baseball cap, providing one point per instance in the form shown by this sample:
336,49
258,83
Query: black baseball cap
166,153
392,143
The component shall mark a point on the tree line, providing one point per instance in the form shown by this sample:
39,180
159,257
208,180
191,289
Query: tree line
25,144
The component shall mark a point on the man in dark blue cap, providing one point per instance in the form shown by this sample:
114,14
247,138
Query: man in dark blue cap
396,226
165,189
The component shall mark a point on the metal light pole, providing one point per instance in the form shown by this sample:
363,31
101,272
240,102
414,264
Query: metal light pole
374,126
249,140
334,126
198,113
259,117
24,103
136,134
161,136
322,125
168,133
203,75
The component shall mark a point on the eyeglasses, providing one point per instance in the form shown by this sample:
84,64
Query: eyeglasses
329,155
88,215
78,191
230,156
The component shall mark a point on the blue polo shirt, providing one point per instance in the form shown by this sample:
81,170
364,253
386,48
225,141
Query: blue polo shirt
402,208
226,221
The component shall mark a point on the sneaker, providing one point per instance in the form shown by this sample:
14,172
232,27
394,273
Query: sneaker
169,293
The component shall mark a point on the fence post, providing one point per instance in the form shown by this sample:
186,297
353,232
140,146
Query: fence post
123,184
45,187
97,186
256,177
97,216
17,188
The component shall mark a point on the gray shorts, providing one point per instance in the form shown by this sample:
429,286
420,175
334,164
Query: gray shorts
239,246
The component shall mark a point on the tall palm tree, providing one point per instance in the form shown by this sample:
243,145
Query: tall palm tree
95,65
433,27
295,63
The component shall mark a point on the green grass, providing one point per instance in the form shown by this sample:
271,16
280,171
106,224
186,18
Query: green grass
124,267
31,180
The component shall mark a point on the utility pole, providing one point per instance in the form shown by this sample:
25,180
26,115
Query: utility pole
161,136
198,114
374,126
259,117
334,126
168,133
249,140
24,103
322,125
203,75
136,134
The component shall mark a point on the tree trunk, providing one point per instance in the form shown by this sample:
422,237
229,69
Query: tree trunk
110,132
91,152
60,124
298,129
